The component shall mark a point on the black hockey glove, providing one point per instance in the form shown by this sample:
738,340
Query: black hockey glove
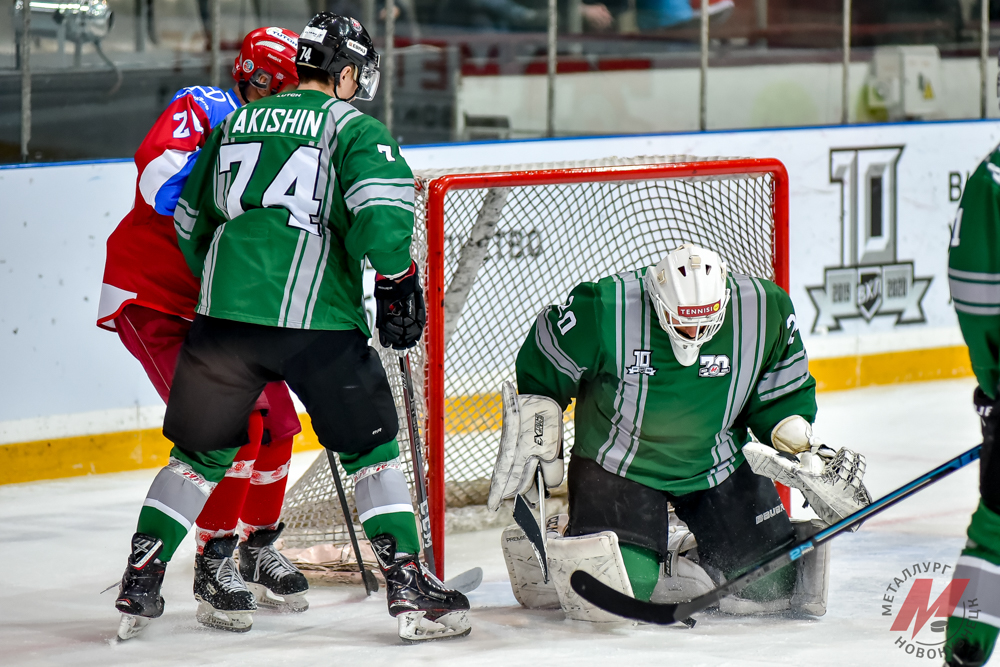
400,313
989,465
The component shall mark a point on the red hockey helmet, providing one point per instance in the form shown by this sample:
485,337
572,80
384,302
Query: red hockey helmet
267,59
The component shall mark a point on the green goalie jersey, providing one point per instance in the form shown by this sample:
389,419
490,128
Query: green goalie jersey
974,271
287,198
642,415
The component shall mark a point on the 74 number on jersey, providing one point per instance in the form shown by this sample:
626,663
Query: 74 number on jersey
293,188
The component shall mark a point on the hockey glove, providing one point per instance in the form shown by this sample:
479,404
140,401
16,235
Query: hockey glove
400,313
989,419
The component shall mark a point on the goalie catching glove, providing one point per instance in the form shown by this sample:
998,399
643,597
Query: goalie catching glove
531,437
400,313
830,481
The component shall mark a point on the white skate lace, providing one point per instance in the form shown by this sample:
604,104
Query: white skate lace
227,574
273,563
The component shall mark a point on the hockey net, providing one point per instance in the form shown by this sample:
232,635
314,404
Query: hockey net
495,245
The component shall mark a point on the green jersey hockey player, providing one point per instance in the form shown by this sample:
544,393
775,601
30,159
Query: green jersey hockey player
284,204
974,278
672,368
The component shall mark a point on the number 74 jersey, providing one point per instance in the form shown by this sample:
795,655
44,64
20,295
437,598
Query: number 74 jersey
287,198
642,415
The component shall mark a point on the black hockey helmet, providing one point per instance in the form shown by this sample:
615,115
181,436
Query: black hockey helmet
330,42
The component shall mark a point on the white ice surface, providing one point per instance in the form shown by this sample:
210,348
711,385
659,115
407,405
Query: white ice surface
62,542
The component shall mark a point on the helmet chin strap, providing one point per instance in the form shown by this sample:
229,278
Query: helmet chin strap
685,354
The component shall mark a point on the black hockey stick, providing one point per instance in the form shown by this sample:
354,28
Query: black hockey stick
417,457
620,604
367,577
469,580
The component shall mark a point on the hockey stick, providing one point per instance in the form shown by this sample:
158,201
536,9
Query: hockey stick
620,604
467,581
367,577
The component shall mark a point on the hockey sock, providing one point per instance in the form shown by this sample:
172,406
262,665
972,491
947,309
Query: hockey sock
262,507
980,564
222,511
178,494
643,568
779,584
382,495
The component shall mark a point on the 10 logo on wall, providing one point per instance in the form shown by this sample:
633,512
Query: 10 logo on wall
870,280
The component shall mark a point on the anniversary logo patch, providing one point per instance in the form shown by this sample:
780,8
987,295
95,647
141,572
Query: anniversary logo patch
870,280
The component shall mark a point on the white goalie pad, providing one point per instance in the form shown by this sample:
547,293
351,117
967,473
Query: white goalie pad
812,572
681,579
831,482
526,579
812,582
531,437
597,555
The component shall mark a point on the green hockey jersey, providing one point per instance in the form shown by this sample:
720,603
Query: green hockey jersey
974,271
642,415
287,198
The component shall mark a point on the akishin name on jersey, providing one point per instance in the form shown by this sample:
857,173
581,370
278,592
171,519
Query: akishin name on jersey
304,122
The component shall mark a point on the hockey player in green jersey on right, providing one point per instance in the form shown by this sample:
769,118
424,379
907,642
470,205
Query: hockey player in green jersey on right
974,279
672,367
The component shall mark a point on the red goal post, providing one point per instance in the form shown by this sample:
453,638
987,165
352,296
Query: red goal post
437,189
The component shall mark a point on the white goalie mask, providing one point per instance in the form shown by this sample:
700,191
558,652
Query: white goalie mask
688,290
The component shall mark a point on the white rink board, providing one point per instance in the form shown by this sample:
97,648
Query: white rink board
56,219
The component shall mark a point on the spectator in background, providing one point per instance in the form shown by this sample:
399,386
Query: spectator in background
513,15
679,14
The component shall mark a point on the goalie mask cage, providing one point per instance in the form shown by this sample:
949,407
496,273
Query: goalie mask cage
495,246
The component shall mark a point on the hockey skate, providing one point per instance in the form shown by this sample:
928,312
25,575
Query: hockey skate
225,602
272,579
139,598
423,607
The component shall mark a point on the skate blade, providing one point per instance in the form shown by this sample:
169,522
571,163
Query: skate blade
295,602
233,621
131,626
414,627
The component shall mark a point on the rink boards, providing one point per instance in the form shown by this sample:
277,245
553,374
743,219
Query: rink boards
870,214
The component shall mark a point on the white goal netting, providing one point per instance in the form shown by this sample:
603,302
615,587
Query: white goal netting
508,252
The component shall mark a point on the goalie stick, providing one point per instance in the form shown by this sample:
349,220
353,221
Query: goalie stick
470,579
620,604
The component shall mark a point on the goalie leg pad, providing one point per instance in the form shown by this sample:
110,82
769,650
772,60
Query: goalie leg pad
525,572
812,573
597,555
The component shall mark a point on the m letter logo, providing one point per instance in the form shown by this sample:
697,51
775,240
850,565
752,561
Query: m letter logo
918,604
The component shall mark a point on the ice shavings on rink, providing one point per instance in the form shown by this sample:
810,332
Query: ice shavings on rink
62,542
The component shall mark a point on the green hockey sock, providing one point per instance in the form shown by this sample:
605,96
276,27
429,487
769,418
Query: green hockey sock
382,495
178,494
974,628
643,568
779,584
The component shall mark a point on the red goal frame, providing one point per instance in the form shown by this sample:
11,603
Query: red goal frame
437,191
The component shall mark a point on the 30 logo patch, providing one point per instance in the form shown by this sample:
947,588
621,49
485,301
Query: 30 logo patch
713,365
247,65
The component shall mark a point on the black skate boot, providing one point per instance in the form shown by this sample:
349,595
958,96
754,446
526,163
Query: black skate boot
225,601
424,608
272,579
139,598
